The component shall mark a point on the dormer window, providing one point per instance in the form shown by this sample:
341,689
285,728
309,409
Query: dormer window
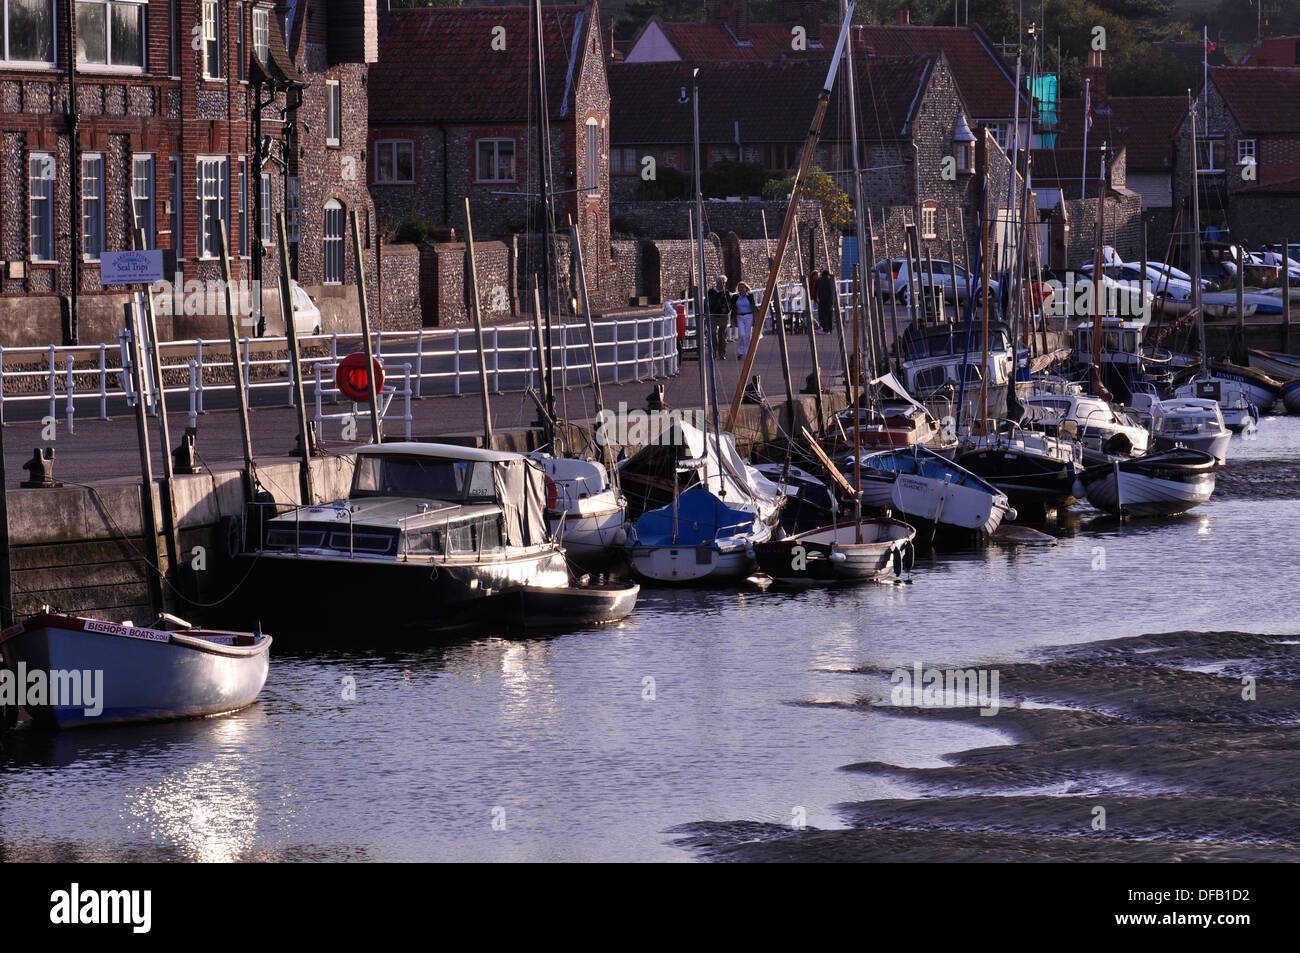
963,147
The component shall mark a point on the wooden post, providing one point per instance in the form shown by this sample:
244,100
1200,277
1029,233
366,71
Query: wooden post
164,432
478,329
148,502
857,423
1241,304
581,267
779,320
376,429
237,368
306,443
811,324
1286,299
6,576
987,239
893,298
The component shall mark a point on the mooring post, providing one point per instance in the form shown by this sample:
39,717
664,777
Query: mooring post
375,431
306,444
149,491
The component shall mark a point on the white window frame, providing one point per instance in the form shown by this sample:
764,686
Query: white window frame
267,225
92,205
261,34
149,219
332,245
1247,151
176,221
333,113
55,22
212,192
591,158
392,146
929,222
40,189
210,35
108,66
496,159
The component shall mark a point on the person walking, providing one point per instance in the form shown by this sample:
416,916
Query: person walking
826,295
742,305
720,315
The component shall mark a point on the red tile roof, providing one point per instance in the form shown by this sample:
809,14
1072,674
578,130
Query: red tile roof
772,102
438,65
986,81
1274,51
716,43
1264,100
1144,125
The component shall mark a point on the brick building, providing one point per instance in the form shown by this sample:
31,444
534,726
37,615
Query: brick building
453,114
161,131
1248,154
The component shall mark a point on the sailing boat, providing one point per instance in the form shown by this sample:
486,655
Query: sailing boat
584,509
852,552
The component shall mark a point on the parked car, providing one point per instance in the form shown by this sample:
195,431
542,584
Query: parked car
306,316
895,276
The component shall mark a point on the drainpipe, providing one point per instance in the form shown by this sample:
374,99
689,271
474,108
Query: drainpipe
446,209
740,153
74,218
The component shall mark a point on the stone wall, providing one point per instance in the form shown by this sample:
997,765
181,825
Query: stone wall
1123,227
399,308
444,295
672,219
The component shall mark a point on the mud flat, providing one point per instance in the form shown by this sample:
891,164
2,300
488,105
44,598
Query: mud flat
1184,743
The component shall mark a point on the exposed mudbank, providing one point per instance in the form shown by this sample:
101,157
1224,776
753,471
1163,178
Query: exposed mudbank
1178,746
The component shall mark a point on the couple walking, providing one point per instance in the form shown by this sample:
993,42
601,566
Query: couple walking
728,310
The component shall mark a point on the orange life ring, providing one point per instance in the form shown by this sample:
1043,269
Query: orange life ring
353,380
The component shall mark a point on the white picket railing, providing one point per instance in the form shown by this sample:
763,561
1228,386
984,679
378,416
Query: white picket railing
442,363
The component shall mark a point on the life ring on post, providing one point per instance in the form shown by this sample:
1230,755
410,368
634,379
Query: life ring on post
353,378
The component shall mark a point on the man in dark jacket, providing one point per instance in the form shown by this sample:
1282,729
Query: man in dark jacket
720,315
827,297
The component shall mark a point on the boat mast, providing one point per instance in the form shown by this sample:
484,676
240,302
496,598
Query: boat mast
805,161
1196,243
703,320
544,173
859,206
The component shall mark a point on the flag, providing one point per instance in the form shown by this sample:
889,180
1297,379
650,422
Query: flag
1087,108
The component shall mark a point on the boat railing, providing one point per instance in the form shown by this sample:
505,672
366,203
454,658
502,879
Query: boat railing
61,381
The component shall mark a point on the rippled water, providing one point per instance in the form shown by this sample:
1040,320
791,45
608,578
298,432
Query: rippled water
567,741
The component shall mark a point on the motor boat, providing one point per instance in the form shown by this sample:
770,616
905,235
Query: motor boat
583,511
1034,469
429,537
1194,422
100,673
1091,420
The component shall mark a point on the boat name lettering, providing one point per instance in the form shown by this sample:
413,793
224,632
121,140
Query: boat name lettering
130,632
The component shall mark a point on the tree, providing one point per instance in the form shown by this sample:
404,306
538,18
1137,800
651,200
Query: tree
817,186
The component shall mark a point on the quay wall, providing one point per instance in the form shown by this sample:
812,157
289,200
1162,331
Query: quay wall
83,549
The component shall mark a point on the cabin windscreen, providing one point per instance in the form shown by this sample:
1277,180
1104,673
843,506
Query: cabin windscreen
430,478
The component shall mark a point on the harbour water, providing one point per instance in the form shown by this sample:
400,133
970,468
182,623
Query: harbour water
602,744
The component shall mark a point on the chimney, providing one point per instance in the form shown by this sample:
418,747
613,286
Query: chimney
805,13
902,18
729,13
1097,74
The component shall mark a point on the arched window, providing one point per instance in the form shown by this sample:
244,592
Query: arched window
333,270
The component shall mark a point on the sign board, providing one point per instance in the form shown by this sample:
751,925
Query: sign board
131,267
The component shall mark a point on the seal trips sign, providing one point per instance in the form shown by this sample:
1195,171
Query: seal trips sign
131,267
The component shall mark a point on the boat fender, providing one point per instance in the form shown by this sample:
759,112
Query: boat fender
904,557
232,531
552,494
838,557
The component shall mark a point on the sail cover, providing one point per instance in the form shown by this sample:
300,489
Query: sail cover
521,490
